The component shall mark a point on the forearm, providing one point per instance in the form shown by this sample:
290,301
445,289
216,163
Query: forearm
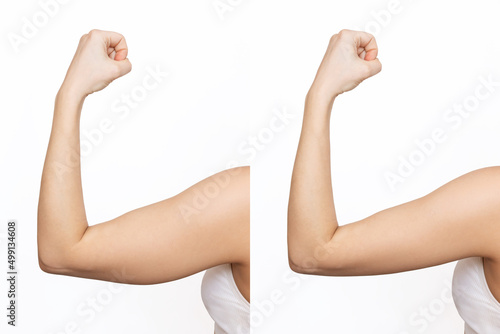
61,213
311,212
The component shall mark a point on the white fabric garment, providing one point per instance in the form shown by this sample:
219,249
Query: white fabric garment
224,302
473,298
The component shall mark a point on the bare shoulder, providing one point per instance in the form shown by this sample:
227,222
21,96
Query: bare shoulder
487,172
483,187
487,176
491,178
237,178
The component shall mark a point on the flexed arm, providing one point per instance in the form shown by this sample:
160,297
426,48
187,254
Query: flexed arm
203,226
350,58
458,220
100,58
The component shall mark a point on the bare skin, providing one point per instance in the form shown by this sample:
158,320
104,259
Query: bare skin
460,219
158,243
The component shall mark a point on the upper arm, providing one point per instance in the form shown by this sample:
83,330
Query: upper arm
204,226
458,220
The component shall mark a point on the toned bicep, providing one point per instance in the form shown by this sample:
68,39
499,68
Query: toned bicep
204,226
458,220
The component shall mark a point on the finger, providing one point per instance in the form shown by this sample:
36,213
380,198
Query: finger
111,53
367,41
361,53
117,42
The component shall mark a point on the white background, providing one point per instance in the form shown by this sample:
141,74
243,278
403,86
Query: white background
227,77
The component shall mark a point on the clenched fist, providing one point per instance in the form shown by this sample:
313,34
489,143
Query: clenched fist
100,58
351,57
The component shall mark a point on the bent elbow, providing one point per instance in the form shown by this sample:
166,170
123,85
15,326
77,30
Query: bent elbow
44,266
298,267
55,261
51,264
304,263
321,259
57,255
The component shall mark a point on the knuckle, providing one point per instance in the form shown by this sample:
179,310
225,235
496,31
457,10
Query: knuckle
343,33
370,37
93,33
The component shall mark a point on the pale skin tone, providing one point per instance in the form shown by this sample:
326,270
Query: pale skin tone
458,220
161,242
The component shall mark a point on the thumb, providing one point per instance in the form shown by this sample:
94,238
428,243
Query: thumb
371,54
121,54
124,66
374,66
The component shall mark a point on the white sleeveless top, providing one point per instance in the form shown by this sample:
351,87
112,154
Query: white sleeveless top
473,298
224,302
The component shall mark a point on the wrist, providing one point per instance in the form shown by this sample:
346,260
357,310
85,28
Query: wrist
69,97
68,107
319,97
319,102
317,114
71,92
